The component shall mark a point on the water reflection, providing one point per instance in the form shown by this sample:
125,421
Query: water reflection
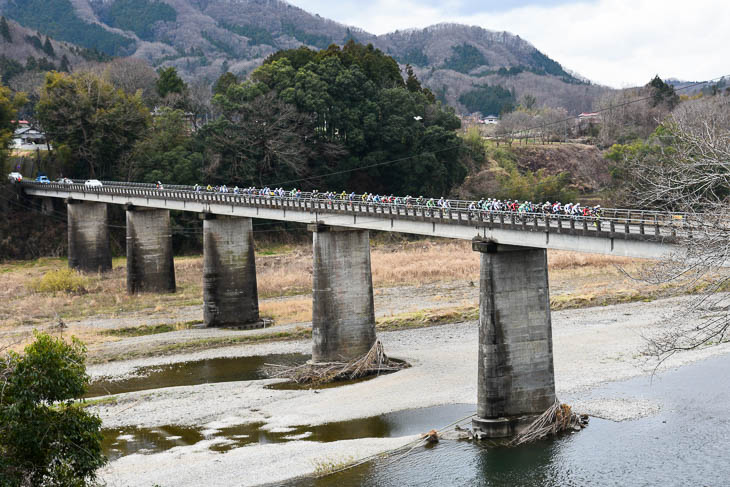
119,442
197,372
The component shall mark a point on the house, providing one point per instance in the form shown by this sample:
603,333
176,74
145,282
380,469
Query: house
21,124
490,120
29,139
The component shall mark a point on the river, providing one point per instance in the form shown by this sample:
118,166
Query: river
686,443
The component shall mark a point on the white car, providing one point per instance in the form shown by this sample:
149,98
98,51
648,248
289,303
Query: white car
64,181
93,183
15,177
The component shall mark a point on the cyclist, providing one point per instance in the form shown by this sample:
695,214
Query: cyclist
430,204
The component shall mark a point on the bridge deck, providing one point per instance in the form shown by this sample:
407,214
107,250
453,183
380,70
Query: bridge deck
617,232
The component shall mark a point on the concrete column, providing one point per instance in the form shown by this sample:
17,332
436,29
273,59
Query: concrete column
88,236
230,296
343,314
150,266
516,380
47,206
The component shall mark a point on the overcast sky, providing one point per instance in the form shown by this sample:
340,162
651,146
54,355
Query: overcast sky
613,42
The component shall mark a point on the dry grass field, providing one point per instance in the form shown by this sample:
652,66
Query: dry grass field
26,288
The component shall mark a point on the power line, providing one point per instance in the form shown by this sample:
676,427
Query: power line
565,120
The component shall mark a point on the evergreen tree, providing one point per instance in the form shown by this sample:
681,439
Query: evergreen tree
166,151
9,68
5,30
336,118
9,104
169,82
48,47
96,122
35,41
226,80
412,82
661,92
65,65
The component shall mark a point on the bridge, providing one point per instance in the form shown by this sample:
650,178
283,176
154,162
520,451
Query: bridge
515,374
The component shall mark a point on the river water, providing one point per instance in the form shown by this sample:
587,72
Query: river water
686,444
197,372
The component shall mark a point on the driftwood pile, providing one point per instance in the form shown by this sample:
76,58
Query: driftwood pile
374,362
558,418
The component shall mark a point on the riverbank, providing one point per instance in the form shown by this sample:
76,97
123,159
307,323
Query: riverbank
592,346
426,296
408,277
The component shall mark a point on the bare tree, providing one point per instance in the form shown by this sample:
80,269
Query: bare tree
624,119
686,169
132,74
200,101
552,128
514,125
261,140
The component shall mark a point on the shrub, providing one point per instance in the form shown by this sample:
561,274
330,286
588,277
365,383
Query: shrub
44,438
60,280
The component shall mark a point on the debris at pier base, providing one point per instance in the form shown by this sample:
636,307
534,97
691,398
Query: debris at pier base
374,362
558,418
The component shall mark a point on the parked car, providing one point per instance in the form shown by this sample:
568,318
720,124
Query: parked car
64,181
93,183
15,177
42,179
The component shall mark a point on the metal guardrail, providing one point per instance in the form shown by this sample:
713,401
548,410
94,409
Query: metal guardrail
612,222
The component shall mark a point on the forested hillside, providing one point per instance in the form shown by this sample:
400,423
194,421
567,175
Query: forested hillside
57,18
26,55
203,39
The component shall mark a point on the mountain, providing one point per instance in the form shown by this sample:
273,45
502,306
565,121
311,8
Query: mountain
692,88
455,60
468,67
25,55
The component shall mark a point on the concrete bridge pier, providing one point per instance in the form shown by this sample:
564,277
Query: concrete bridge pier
343,313
516,380
230,296
88,236
150,266
47,206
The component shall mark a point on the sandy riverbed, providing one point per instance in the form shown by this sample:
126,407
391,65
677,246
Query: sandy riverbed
591,347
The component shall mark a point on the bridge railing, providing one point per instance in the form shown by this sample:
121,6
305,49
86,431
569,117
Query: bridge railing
631,215
613,220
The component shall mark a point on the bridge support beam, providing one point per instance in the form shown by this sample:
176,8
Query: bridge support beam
516,380
230,296
343,313
88,236
150,266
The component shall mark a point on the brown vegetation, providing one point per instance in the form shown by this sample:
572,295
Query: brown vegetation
585,163
284,283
